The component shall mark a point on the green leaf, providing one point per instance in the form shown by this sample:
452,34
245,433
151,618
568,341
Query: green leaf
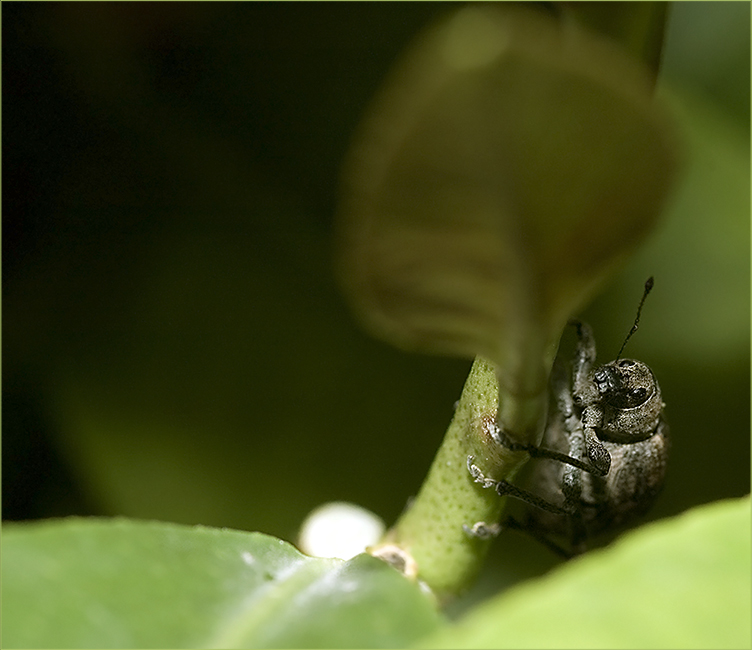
81,583
680,583
509,165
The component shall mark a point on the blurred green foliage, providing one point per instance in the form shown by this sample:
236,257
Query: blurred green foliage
175,344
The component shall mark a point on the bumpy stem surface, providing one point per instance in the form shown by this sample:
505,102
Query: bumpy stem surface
432,536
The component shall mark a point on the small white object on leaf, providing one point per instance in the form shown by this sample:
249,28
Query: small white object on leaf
339,529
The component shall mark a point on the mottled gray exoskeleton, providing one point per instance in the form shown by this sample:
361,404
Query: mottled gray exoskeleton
602,459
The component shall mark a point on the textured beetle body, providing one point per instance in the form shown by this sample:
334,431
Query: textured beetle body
602,459
637,442
612,412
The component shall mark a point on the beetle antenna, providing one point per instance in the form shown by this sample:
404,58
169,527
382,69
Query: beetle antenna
648,287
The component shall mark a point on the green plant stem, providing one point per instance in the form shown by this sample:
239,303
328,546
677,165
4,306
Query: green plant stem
431,532
638,26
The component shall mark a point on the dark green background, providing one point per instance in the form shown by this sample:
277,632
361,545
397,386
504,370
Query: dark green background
175,343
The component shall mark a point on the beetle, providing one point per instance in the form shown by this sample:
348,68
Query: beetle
603,456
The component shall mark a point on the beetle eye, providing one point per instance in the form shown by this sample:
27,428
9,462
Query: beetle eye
638,395
626,363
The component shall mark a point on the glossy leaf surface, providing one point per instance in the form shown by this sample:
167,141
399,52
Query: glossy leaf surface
116,583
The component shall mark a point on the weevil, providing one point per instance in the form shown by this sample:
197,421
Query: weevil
602,459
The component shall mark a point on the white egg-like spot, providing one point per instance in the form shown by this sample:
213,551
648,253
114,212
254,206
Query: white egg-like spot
339,530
